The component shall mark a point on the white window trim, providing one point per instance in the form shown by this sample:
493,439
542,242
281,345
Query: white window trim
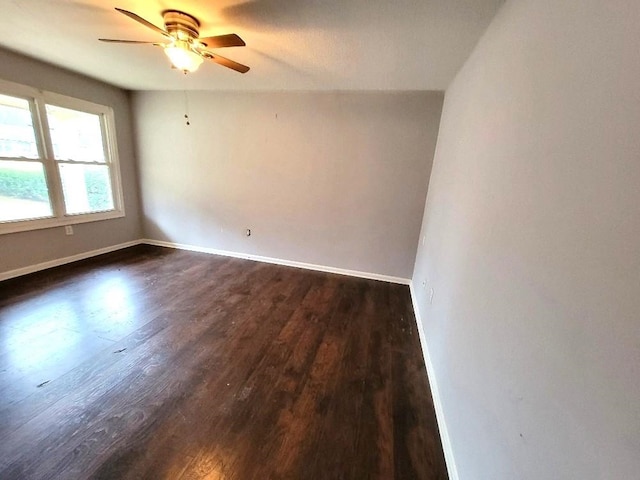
38,99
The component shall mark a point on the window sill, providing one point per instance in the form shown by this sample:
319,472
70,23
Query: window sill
40,224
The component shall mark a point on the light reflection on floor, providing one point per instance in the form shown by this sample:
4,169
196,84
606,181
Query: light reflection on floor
109,310
44,339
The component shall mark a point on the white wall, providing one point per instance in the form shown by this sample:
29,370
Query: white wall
24,249
331,179
532,229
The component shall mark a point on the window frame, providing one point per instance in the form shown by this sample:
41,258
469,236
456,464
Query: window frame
38,100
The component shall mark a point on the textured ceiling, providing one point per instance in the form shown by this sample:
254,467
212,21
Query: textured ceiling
291,44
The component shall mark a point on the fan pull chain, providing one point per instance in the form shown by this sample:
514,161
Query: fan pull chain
186,109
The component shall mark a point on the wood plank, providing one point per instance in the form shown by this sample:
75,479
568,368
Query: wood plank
170,364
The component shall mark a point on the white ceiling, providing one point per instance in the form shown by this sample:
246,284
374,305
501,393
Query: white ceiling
291,44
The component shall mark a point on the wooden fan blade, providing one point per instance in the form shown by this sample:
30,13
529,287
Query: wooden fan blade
112,40
225,62
144,22
220,41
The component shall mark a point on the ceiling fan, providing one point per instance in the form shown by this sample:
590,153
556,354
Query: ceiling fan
185,48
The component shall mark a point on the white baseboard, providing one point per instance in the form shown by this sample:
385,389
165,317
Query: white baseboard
62,261
435,393
279,261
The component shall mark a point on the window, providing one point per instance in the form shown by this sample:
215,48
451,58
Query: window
58,161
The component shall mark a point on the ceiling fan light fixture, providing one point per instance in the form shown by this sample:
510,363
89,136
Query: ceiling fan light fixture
185,47
182,57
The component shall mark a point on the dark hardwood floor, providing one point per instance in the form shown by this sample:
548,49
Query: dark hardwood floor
153,363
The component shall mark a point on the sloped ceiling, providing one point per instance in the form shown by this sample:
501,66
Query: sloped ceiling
291,44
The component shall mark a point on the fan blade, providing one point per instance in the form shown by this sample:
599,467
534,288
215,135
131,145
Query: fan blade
238,67
220,41
111,40
144,22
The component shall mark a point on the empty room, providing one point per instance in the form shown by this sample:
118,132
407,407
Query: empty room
258,239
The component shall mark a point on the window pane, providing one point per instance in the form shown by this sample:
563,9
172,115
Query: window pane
75,135
17,138
23,191
86,188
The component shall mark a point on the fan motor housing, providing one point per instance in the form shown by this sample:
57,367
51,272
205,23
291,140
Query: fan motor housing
181,25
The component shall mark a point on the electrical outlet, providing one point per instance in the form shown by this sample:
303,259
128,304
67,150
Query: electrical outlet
68,230
248,232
